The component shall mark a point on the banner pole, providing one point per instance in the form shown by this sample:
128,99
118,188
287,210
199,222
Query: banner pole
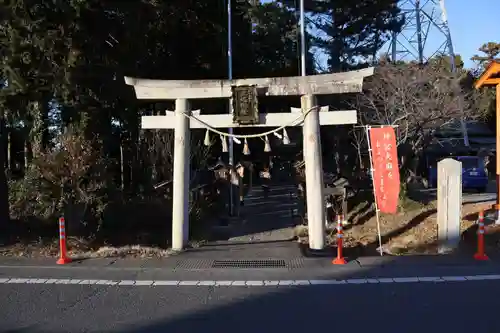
367,131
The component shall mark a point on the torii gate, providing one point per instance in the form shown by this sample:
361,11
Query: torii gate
183,119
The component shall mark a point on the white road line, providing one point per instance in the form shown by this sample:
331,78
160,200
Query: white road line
271,283
238,283
18,281
406,280
144,282
165,283
454,278
429,278
37,281
88,281
250,283
207,283
254,283
220,283
188,283
386,280
126,283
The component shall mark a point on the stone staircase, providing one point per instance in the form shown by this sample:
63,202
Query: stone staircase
271,218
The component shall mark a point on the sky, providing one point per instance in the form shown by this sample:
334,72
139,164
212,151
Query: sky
473,23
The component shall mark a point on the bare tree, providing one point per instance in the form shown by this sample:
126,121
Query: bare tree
417,99
359,143
160,146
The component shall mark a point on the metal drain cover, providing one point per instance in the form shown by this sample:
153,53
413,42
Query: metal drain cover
269,263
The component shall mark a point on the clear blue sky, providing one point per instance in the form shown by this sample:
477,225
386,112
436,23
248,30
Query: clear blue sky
472,23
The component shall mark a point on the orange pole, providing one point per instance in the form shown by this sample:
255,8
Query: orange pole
340,260
480,254
497,152
63,254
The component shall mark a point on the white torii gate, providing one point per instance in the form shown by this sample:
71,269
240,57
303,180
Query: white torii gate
305,86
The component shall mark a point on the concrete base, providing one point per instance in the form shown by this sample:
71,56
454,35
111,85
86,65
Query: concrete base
327,252
497,216
445,249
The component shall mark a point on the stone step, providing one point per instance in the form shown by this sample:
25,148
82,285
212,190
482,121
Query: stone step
282,234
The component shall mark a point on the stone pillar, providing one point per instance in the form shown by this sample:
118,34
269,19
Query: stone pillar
180,205
449,210
314,174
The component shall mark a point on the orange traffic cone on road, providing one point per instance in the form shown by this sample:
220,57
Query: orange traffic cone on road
480,254
63,253
340,260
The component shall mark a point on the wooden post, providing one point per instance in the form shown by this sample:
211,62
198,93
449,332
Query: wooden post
180,204
122,176
491,77
9,147
497,207
449,210
314,174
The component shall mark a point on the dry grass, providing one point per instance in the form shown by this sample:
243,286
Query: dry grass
412,231
79,248
137,251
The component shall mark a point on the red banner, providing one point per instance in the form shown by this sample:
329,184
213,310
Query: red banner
385,168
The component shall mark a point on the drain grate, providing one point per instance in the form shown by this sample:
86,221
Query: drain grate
193,264
269,263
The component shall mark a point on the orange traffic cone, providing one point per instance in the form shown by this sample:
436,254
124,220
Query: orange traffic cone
340,260
63,254
480,254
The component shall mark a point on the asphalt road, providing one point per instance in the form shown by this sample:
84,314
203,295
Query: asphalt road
468,196
469,306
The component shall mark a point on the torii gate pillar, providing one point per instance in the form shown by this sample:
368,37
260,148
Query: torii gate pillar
181,176
314,173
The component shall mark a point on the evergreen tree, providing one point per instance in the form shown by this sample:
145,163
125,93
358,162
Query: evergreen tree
490,51
62,65
350,33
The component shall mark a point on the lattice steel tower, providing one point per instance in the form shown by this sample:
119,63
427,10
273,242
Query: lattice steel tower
426,22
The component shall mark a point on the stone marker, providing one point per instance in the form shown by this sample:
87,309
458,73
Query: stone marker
449,208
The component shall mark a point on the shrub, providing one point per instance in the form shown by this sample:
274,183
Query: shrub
68,179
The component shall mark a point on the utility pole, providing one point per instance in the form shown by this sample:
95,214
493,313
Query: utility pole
230,77
302,40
